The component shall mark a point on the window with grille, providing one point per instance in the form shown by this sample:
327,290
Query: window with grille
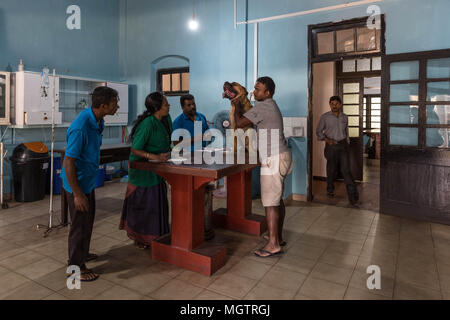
419,101
351,38
173,81
372,112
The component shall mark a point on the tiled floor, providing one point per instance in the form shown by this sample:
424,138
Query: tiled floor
328,251
369,189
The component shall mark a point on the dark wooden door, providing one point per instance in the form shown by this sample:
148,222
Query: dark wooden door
415,154
352,91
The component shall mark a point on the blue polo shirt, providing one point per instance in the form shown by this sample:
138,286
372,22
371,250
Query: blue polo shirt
84,138
183,122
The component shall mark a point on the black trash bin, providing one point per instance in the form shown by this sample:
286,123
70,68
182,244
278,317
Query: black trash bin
29,166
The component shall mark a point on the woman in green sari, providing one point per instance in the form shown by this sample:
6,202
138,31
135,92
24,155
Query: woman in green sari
145,213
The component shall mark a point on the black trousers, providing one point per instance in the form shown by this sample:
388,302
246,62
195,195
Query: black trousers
338,159
80,230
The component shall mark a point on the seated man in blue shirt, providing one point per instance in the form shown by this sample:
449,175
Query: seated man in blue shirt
187,118
79,174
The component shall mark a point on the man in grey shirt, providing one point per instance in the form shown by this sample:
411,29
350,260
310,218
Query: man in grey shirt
333,129
276,160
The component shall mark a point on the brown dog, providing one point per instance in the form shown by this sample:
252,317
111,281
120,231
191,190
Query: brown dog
238,97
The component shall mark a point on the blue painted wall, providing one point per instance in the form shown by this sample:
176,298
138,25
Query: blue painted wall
125,39
36,32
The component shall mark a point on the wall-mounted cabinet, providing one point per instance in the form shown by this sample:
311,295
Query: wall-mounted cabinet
31,99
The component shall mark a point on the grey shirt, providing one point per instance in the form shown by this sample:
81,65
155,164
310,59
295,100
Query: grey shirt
333,127
266,115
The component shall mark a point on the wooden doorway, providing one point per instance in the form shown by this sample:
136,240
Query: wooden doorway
345,52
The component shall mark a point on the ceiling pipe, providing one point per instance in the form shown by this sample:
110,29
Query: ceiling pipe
301,13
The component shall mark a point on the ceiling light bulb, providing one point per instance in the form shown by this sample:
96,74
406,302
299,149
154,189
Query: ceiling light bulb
193,25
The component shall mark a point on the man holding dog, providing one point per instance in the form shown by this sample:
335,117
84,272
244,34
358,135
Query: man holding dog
275,158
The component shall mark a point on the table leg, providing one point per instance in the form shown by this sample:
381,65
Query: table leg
238,214
185,246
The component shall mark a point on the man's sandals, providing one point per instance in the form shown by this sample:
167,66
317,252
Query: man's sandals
140,245
282,243
88,275
264,253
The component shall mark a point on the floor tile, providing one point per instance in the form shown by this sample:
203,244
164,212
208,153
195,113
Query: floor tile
358,294
10,281
55,296
232,285
322,290
282,278
265,292
196,278
303,250
55,280
339,259
407,291
250,269
88,290
143,282
331,273
176,290
296,264
29,291
210,295
40,268
20,260
118,293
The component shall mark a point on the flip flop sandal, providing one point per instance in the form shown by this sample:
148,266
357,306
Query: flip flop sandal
282,243
86,272
270,254
91,256
141,245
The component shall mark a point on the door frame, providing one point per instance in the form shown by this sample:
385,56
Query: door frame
327,58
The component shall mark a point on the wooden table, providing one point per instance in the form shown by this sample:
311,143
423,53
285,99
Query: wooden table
108,153
185,246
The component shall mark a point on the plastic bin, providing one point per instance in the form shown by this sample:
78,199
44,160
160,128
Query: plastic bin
29,166
56,176
100,177
109,173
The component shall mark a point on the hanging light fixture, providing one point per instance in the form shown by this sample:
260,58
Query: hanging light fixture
193,24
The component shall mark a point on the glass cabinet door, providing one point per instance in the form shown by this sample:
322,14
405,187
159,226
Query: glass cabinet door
4,97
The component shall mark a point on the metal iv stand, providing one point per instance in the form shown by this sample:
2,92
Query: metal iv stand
50,226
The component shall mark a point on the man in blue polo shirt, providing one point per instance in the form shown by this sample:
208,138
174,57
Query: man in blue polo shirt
188,117
79,174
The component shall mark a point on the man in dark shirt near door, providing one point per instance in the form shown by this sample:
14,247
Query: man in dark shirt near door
333,129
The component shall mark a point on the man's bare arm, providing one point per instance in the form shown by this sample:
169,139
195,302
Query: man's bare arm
80,199
241,121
